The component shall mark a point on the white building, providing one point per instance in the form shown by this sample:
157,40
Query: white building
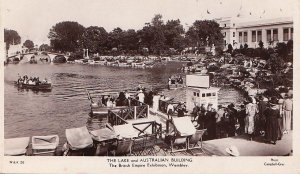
15,50
238,32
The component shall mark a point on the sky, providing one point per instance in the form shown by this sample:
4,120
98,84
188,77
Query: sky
32,19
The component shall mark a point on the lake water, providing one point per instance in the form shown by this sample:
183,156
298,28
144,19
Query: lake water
29,113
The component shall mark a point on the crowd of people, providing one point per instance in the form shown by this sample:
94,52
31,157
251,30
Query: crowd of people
270,118
174,81
30,80
124,98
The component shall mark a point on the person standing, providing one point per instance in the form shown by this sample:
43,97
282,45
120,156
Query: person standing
251,111
170,110
181,110
262,106
272,114
201,117
195,111
241,119
287,107
141,96
232,119
156,98
169,83
211,123
219,116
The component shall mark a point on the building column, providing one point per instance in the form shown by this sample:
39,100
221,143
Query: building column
280,34
290,34
264,37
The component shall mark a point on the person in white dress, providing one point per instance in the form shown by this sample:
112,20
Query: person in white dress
156,98
141,96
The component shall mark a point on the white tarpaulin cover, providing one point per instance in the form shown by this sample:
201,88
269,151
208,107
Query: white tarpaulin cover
103,134
16,146
125,131
45,142
184,126
79,138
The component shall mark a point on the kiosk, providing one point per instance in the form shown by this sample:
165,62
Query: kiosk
199,92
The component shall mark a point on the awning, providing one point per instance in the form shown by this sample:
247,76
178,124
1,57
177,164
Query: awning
45,142
125,131
103,134
15,146
184,126
79,138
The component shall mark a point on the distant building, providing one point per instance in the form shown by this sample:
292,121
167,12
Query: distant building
16,49
269,31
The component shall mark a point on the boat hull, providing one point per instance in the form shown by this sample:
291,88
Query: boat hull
45,87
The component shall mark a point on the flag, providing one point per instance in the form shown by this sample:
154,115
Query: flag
208,12
250,13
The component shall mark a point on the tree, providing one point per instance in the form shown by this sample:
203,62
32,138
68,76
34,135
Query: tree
11,37
282,50
44,47
261,44
173,33
230,48
152,35
205,32
290,46
114,38
66,36
28,44
241,47
130,40
94,39
276,62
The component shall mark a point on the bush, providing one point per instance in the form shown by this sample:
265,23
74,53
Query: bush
230,48
261,44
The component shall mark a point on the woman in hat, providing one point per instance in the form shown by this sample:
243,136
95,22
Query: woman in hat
272,114
251,111
287,107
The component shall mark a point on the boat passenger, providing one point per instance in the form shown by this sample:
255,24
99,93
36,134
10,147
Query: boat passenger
109,102
127,95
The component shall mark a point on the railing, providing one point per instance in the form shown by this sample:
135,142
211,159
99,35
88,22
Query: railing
115,119
156,128
141,110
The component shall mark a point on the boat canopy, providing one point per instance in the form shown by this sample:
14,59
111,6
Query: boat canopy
15,146
125,131
45,142
103,134
79,138
184,126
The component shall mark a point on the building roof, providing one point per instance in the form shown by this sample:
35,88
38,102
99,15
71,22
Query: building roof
265,22
211,89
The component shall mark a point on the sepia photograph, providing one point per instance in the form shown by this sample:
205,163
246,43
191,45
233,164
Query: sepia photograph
151,80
